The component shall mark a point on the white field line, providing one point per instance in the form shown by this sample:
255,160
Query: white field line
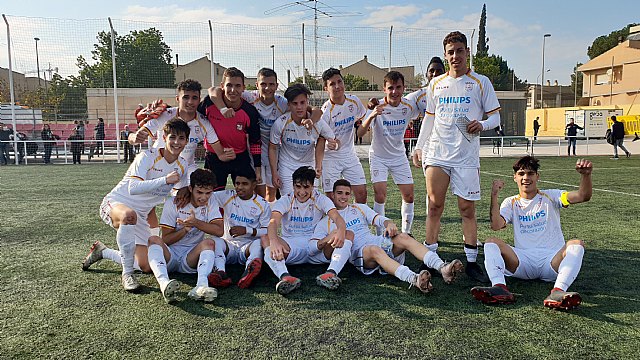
568,185
597,169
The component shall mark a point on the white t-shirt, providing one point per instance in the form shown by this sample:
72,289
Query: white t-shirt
253,213
387,129
358,217
300,219
149,165
341,119
419,97
536,222
171,214
268,116
297,144
450,99
200,129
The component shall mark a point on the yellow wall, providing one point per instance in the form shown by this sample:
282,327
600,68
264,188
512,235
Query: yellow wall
552,120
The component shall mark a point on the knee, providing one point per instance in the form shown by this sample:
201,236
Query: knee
493,240
380,196
408,198
144,266
575,242
130,217
375,252
435,208
208,244
349,235
155,240
468,211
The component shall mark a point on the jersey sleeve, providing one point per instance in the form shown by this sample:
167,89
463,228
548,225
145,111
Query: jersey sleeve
362,111
276,131
214,212
141,165
265,216
324,203
282,104
169,217
282,205
210,133
430,103
204,105
490,101
506,209
324,130
372,217
322,229
250,96
416,99
558,197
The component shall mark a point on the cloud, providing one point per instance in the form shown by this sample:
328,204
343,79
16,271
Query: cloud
174,13
390,15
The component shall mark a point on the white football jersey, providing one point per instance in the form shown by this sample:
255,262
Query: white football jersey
418,97
300,219
268,116
297,143
341,119
387,129
358,217
200,129
253,213
450,100
536,222
148,165
171,214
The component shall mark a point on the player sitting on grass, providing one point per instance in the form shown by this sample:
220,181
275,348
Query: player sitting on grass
299,211
371,252
183,247
147,183
246,217
539,250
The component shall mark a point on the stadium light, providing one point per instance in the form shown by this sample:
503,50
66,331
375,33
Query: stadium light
273,57
37,60
544,38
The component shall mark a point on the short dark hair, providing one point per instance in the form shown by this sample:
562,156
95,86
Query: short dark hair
266,72
203,178
296,89
526,163
341,182
304,174
246,172
190,85
176,126
436,60
393,76
101,119
328,74
233,72
454,37
614,118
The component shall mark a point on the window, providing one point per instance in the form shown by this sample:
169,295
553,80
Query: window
602,79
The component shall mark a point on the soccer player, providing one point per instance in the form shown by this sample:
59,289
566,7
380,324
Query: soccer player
385,253
233,131
246,217
146,184
341,112
292,144
456,104
298,211
539,250
183,247
388,122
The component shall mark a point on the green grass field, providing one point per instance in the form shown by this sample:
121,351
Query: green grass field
50,308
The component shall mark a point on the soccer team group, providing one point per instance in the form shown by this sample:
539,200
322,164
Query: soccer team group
269,143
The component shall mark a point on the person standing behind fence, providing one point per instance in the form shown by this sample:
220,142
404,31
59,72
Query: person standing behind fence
617,130
99,137
5,144
76,146
47,136
127,148
536,127
572,132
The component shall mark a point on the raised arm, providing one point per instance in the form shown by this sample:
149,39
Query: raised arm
583,194
497,221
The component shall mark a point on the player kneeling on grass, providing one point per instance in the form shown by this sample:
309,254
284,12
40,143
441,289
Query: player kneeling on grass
183,247
371,252
539,250
148,181
246,217
299,212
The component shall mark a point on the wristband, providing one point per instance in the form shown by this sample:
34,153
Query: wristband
224,109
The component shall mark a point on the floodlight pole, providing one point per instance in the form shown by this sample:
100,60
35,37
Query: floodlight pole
115,91
13,96
544,38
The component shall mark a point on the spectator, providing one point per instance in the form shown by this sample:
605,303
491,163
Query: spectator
5,143
617,130
76,146
22,145
409,133
358,139
536,127
81,132
99,137
572,132
47,137
127,148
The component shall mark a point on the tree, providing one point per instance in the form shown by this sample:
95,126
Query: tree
357,83
580,76
497,70
143,59
62,99
5,94
483,48
312,83
605,43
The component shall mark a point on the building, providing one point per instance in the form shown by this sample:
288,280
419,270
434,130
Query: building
553,95
21,82
613,78
200,70
375,74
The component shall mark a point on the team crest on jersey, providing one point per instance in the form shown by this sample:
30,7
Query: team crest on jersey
197,129
239,126
404,111
203,211
354,211
273,112
468,86
350,107
375,172
327,182
254,211
308,132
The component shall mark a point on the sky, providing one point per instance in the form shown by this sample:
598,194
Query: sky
515,28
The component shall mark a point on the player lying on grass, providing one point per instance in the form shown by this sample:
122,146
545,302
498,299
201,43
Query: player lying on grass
386,254
298,211
183,247
148,181
246,217
539,250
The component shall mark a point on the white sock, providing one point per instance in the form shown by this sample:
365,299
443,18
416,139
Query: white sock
494,263
406,211
220,259
405,274
379,208
113,255
313,248
158,265
471,252
126,239
255,251
340,257
569,267
205,265
278,267
432,247
432,260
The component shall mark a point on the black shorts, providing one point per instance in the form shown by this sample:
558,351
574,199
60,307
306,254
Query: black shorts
223,169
